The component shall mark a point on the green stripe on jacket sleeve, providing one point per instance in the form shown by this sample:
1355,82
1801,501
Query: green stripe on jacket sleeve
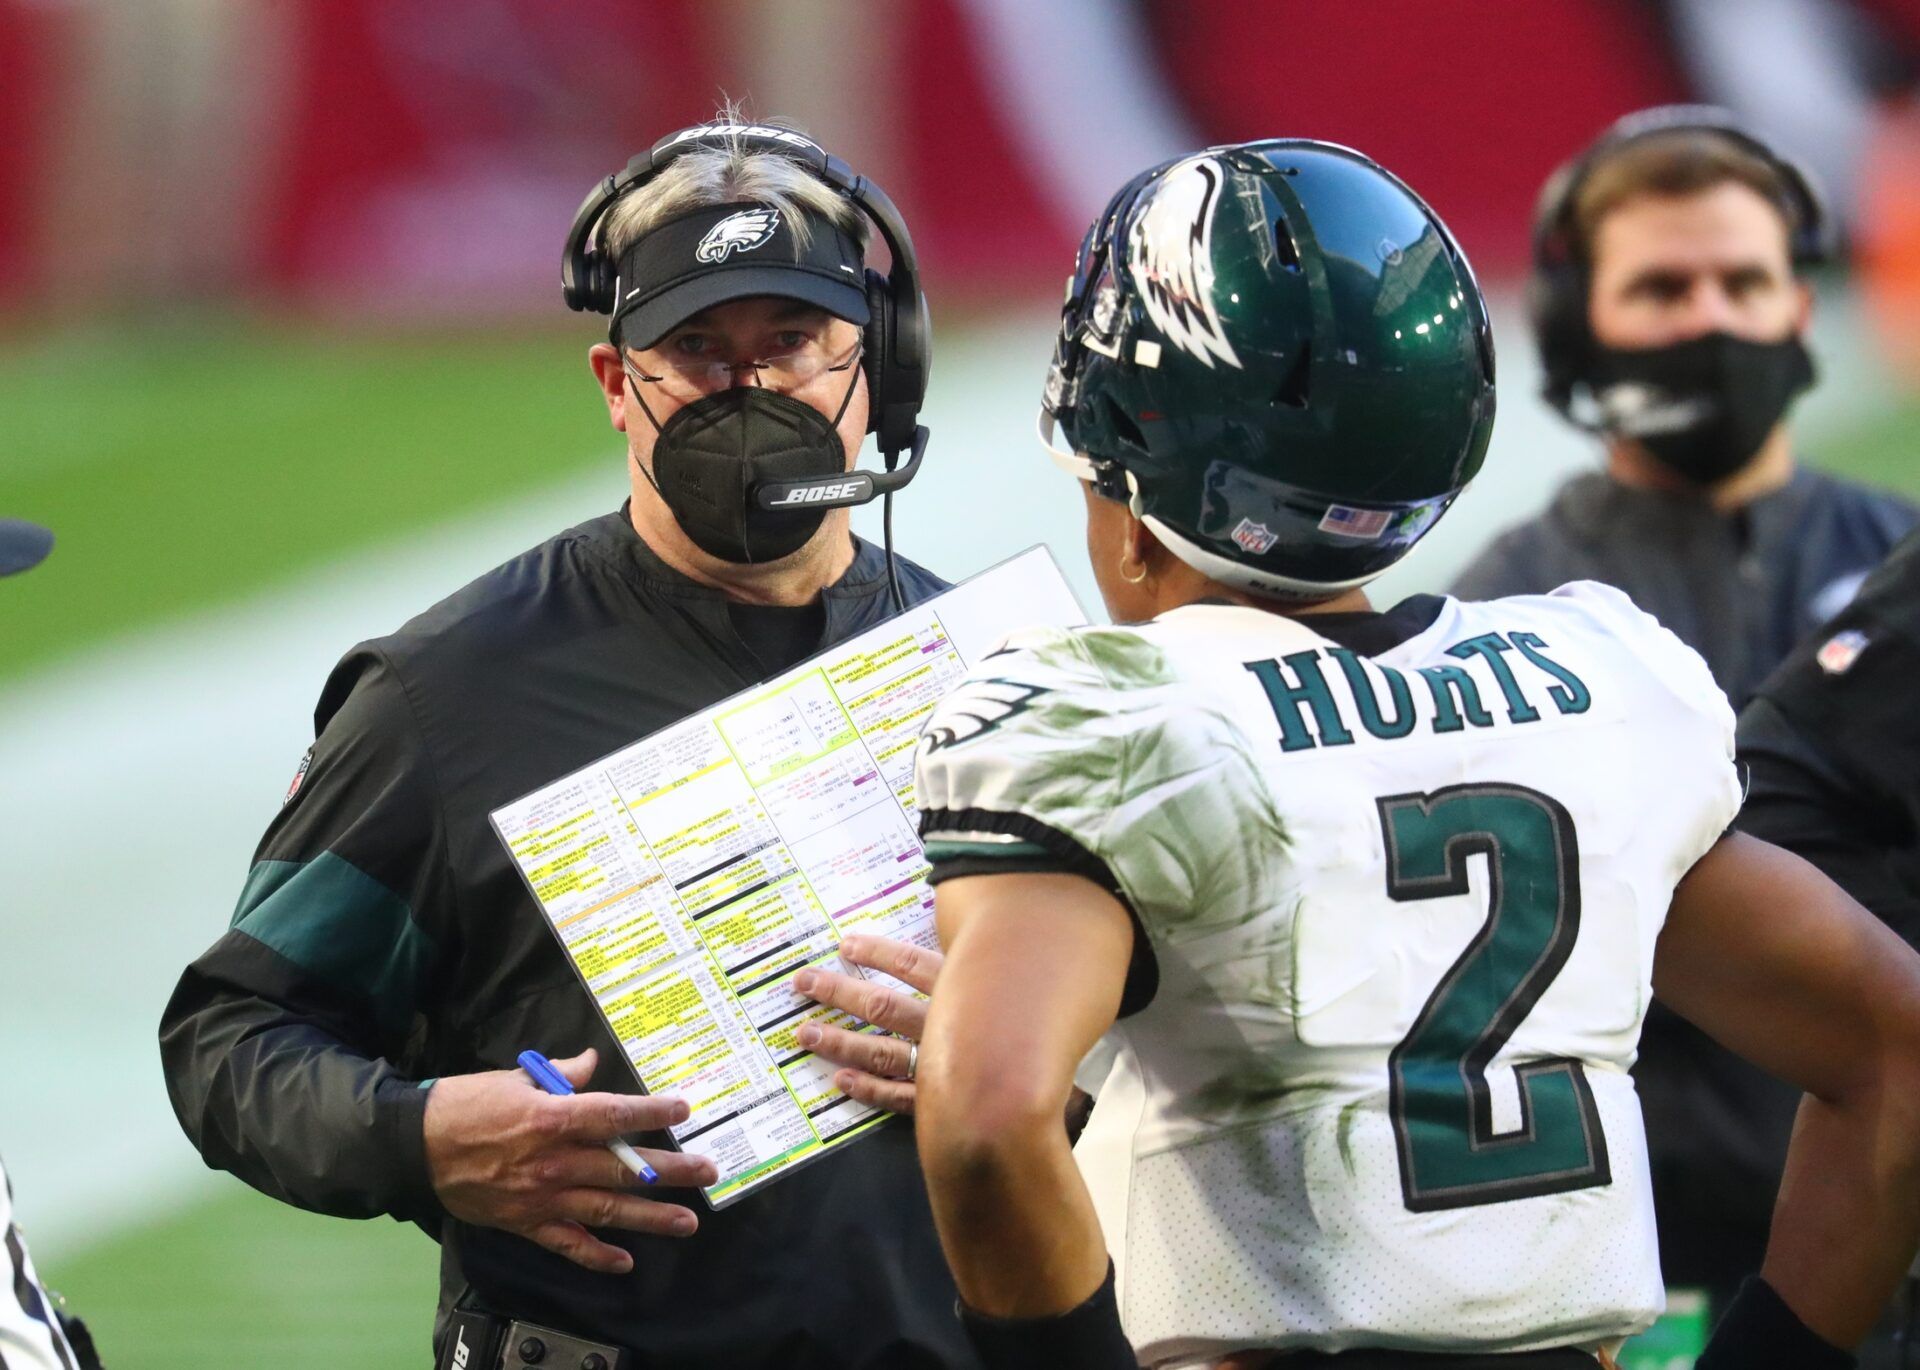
339,924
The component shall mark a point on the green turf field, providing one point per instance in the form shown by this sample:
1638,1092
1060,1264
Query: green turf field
245,1281
1883,451
184,471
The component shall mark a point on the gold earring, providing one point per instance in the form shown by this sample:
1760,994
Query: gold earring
1132,580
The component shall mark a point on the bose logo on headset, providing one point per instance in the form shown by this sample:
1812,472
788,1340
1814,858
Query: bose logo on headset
814,494
783,135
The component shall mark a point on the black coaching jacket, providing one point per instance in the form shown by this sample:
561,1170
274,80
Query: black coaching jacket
383,939
1832,747
1739,588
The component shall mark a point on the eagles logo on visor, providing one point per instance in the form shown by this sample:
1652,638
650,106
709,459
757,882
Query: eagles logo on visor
741,232
716,253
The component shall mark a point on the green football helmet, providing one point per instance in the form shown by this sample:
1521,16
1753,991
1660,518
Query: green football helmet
1277,353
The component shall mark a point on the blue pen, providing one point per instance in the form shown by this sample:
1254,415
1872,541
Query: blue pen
554,1082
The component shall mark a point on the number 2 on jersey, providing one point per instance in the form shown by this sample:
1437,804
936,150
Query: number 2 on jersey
1450,1155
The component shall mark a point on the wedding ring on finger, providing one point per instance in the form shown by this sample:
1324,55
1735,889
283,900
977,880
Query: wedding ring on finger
913,1059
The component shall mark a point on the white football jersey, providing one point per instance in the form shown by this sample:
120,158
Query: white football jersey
1401,897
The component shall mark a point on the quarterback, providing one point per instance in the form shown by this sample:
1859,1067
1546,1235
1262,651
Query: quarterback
1350,918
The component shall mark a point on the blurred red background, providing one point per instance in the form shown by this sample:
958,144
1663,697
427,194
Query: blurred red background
367,157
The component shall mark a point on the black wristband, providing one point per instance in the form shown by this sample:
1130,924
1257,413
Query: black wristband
1759,1332
1087,1337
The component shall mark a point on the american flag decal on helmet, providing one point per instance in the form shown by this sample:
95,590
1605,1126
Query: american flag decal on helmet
1355,523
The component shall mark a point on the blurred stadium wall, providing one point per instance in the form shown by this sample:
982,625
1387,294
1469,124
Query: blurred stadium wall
282,360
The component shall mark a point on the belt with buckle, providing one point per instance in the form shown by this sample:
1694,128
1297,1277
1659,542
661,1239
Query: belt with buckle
482,1341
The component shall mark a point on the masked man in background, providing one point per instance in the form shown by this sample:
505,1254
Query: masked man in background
1671,321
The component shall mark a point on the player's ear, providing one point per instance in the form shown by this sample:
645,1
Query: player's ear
612,376
1143,547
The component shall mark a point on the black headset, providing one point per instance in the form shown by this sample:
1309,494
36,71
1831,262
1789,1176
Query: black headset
1557,290
897,349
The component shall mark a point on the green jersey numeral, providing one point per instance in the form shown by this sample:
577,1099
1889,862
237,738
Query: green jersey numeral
1450,1155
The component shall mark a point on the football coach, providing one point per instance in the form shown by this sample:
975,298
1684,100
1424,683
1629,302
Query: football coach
348,1045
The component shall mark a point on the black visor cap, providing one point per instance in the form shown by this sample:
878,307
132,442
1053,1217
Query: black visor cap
733,252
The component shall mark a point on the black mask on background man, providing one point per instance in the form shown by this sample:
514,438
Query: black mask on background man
1702,407
710,456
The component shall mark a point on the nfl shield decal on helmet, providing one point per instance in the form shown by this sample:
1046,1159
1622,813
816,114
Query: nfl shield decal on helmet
1254,538
1170,256
1838,653
741,232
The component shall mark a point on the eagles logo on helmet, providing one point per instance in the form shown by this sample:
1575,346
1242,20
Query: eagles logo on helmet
1170,255
1287,406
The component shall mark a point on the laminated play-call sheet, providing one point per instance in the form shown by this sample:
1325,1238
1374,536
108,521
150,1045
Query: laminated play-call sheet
690,875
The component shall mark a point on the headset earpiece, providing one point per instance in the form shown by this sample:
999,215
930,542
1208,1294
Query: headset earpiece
599,286
587,279
876,349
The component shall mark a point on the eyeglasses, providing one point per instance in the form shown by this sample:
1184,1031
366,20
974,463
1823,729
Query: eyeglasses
785,373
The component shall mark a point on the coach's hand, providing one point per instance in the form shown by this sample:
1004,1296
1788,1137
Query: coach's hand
877,1068
503,1153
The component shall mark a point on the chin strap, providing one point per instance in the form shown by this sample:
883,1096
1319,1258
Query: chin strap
1075,465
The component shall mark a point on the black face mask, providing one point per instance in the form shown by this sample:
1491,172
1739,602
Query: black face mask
1702,407
710,456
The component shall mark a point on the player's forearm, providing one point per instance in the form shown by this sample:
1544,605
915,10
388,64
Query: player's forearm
1015,1220
1006,1026
1774,960
1848,1218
